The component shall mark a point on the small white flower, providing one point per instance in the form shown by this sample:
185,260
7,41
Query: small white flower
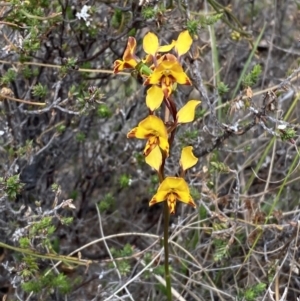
239,105
84,14
281,127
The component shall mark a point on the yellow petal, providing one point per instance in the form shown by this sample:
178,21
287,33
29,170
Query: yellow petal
150,43
150,126
154,97
179,75
183,43
155,77
164,144
187,112
154,159
160,196
171,189
187,159
167,48
181,189
177,186
174,184
156,200
155,125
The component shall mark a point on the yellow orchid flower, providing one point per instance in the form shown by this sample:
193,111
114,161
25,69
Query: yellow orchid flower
151,45
153,129
166,74
187,112
183,43
187,159
172,189
129,58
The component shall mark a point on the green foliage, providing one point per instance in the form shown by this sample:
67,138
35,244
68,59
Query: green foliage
132,32
55,187
188,136
39,90
24,242
24,150
60,128
199,113
8,77
251,78
203,21
192,26
116,18
122,265
288,134
210,20
221,249
222,88
26,72
68,64
140,159
124,181
120,19
46,283
219,167
12,186
74,195
194,193
80,137
159,270
107,203
154,182
253,292
33,42
66,220
42,227
148,12
103,111
202,212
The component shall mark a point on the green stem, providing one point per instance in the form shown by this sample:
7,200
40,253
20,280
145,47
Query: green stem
166,249
66,259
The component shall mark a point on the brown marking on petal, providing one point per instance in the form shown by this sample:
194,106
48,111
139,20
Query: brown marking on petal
171,205
188,82
130,49
151,143
148,148
131,134
117,66
127,66
146,82
152,202
192,204
171,199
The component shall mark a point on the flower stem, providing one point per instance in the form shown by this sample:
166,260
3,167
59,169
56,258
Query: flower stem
166,249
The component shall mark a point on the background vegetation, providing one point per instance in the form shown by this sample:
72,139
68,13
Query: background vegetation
74,191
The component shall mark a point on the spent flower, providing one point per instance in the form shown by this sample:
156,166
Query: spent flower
130,60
